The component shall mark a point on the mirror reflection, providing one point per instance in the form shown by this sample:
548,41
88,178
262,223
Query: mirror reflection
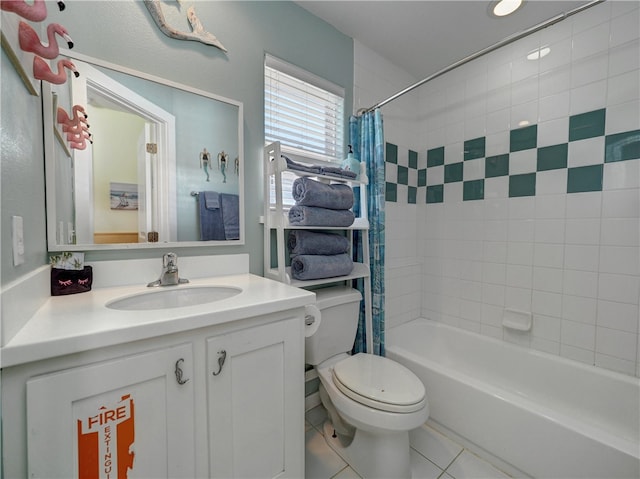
164,166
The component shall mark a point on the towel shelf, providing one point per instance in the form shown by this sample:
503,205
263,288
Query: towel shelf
276,224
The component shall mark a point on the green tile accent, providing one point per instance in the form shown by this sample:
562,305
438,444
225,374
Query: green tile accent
422,177
473,190
496,166
522,185
622,146
403,175
391,192
391,153
413,159
587,125
474,148
523,138
453,172
585,178
553,157
435,157
435,194
412,195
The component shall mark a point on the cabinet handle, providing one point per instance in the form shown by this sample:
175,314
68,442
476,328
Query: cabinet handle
222,355
179,372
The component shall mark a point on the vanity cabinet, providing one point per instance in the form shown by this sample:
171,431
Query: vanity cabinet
253,405
218,401
99,420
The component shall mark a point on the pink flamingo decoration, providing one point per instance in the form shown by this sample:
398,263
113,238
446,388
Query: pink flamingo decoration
79,117
36,11
42,71
30,42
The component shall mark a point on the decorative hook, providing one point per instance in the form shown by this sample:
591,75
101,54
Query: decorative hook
222,355
179,372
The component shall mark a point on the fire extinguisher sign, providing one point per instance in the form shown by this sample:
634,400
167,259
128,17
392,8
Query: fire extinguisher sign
105,441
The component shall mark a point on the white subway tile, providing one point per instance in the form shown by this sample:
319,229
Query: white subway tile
550,206
618,287
549,231
620,232
522,208
625,28
548,255
553,131
616,343
498,99
591,41
520,253
551,182
496,187
623,117
584,205
493,294
622,316
578,335
621,203
498,121
517,298
624,58
581,257
494,273
623,88
435,175
547,327
589,70
545,345
497,143
580,283
521,230
547,279
579,309
494,252
591,17
555,81
615,364
546,303
525,90
620,260
621,175
577,354
495,230
519,276
592,96
496,209
583,231
524,114
492,332
586,152
473,169
559,54
622,8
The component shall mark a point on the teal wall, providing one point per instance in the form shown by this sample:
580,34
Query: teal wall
124,33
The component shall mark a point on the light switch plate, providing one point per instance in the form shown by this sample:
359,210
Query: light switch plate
17,237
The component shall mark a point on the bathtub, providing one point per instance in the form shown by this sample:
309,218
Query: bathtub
544,415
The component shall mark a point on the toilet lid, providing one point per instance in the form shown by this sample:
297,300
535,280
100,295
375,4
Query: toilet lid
379,382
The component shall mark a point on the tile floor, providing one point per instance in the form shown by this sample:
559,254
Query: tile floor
433,456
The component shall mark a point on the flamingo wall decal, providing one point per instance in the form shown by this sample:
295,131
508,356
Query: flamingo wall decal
30,42
35,11
198,33
42,71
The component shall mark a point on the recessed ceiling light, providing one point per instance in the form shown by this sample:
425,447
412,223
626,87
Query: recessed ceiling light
505,7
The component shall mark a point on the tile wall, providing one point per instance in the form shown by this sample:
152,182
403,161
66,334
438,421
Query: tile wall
525,181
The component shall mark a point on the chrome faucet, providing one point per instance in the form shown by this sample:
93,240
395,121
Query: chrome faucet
169,276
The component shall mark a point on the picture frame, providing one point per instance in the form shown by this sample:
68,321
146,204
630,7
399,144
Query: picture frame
123,196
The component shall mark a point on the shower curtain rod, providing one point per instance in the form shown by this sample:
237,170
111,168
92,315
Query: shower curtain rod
478,54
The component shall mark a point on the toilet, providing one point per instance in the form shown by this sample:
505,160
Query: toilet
372,401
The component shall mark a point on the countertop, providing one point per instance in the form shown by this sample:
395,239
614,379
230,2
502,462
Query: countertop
80,322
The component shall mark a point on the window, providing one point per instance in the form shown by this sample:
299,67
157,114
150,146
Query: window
304,113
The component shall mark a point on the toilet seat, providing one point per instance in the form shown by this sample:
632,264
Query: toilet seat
379,383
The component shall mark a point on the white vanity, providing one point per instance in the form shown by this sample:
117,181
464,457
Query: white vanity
214,389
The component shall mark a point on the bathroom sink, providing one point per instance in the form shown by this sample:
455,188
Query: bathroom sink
173,297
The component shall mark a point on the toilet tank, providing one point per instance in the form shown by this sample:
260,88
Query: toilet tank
339,307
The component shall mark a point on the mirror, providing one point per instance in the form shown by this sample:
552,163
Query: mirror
164,168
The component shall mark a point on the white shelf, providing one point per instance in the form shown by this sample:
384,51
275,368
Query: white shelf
276,222
360,270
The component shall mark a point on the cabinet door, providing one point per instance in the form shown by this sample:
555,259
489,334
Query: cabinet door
129,417
256,402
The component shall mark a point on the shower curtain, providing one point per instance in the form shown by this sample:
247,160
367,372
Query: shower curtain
367,138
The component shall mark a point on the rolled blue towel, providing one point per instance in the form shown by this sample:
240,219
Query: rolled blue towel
308,192
311,242
313,266
315,216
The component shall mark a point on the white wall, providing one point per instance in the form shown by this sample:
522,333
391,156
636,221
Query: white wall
569,258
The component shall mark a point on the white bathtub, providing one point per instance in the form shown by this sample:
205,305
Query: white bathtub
547,416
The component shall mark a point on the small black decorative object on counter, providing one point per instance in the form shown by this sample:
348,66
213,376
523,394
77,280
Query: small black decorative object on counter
69,281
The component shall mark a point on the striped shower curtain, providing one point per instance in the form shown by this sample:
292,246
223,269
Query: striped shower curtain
367,138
